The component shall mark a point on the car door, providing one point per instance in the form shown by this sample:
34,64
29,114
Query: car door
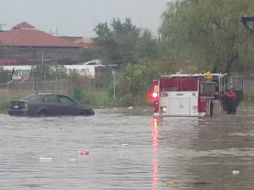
70,106
53,106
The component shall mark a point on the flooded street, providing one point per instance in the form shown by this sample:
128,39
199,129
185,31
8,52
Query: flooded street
119,150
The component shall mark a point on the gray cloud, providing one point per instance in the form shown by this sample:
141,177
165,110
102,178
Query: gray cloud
79,17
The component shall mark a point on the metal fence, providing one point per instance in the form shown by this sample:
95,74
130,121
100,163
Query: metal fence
66,86
58,86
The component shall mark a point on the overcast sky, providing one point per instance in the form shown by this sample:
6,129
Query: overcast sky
79,17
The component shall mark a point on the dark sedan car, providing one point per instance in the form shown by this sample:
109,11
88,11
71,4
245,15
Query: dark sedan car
47,104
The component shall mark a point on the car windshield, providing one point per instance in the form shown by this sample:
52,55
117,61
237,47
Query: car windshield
34,98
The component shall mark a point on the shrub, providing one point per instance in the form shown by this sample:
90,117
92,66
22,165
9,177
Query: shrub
93,98
4,104
127,100
248,99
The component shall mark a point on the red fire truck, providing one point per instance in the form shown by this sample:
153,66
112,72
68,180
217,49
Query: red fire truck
188,95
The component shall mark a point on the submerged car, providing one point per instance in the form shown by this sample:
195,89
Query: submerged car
48,104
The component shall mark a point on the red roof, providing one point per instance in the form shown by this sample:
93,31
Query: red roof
23,25
25,34
81,41
85,42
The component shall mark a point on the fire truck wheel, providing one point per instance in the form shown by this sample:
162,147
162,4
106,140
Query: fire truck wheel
211,110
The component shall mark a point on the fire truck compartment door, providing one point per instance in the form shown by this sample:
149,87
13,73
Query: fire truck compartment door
180,103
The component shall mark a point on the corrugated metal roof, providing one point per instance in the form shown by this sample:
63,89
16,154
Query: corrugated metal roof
25,35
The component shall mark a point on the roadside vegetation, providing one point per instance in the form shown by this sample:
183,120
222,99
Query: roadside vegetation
194,36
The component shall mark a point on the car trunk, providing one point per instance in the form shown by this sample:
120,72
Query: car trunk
18,105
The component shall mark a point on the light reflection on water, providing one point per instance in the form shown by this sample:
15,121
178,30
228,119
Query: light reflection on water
127,151
202,153
155,145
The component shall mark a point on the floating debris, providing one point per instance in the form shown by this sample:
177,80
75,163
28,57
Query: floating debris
73,160
130,108
45,159
124,144
83,152
171,184
201,183
235,172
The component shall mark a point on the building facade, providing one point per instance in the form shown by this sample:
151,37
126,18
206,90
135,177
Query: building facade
27,45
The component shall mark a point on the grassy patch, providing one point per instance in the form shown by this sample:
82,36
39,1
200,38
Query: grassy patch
4,104
248,99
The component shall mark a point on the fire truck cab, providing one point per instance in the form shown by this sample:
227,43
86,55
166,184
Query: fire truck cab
188,95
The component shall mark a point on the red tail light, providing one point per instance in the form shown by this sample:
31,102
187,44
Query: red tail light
152,95
155,95
24,106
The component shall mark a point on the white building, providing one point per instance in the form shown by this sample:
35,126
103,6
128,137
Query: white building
22,72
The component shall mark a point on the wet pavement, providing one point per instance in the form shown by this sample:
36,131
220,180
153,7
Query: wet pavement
123,150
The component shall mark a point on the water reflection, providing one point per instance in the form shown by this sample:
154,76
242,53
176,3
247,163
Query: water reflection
155,145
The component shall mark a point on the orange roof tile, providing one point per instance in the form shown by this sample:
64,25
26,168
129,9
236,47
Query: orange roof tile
25,34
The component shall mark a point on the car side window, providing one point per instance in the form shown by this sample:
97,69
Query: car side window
34,98
66,100
51,99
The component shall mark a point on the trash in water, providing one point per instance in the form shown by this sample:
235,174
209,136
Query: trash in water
73,160
83,152
124,144
235,172
130,108
171,184
45,159
201,183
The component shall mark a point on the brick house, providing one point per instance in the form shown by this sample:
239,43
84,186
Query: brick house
27,45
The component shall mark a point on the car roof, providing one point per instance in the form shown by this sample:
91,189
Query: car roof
41,94
45,94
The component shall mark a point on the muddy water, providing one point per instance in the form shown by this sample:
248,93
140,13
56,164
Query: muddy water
119,149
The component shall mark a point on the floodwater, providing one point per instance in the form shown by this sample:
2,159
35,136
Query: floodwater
124,150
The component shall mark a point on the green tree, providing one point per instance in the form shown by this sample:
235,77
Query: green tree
136,79
48,72
147,46
5,76
58,71
126,35
105,43
118,44
87,54
207,34
41,72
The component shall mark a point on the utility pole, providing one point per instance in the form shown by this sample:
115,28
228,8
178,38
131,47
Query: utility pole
114,84
42,57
